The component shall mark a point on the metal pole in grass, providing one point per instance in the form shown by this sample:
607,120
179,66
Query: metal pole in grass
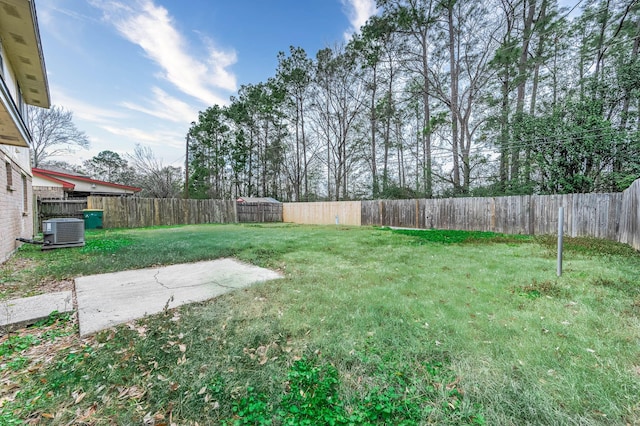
560,242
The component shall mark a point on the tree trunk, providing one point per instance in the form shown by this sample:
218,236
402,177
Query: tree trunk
454,97
374,125
539,52
522,72
426,129
304,152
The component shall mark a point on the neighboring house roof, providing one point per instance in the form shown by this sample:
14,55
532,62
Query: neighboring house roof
64,171
257,200
75,180
64,184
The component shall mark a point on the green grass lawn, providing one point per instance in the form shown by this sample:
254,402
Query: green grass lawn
369,326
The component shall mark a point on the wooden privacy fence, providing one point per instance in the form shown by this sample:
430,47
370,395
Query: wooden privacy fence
132,212
329,213
595,215
50,209
612,216
630,216
609,216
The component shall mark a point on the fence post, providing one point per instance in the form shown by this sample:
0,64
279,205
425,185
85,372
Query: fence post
560,238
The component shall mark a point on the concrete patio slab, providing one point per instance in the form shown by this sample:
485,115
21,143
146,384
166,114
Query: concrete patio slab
16,313
109,299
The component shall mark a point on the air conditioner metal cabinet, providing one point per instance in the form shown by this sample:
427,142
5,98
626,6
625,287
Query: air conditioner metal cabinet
62,232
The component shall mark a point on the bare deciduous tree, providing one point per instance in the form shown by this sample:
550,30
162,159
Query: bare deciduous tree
53,133
155,179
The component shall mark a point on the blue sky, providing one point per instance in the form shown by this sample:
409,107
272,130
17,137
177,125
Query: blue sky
138,71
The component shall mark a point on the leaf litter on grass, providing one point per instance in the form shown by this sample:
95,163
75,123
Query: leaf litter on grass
196,368
38,345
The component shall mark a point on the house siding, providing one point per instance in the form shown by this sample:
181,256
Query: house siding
8,75
15,222
20,83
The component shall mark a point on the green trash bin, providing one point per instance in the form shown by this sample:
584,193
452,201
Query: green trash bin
92,218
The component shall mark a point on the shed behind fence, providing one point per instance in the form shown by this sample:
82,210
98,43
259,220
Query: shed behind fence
259,210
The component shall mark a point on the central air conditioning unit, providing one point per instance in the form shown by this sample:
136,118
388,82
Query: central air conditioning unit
62,232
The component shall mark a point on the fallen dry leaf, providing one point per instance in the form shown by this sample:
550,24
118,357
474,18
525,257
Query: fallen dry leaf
133,392
80,397
182,360
83,417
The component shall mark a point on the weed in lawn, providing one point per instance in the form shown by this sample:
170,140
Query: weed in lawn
460,237
111,245
588,246
312,394
539,289
252,409
16,364
53,318
16,344
621,285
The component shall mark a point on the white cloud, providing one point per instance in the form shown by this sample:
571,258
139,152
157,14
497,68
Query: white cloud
153,29
358,11
83,110
155,138
166,107
106,128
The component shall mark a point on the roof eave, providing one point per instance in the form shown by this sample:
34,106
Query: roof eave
21,40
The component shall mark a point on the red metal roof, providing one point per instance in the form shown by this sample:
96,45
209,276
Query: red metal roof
64,183
55,175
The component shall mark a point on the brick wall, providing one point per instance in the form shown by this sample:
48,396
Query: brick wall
49,192
16,207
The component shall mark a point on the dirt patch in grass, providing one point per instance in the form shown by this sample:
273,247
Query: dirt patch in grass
17,280
50,286
622,285
539,289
